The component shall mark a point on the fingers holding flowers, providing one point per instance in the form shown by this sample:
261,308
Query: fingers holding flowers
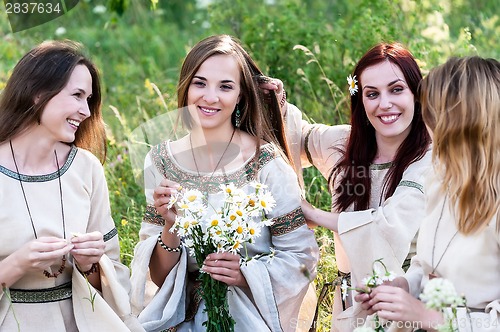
225,267
87,249
40,254
162,197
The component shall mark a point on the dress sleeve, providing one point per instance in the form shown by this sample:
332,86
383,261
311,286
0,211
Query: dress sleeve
282,279
313,144
115,276
387,231
152,225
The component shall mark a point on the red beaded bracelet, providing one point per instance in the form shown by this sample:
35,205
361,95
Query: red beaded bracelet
93,268
283,99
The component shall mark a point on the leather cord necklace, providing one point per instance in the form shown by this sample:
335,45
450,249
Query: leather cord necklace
218,163
432,275
63,264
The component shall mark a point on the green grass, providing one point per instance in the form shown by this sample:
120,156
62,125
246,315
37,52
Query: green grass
143,48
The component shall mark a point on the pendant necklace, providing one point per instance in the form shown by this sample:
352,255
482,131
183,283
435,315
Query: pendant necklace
432,275
218,163
63,264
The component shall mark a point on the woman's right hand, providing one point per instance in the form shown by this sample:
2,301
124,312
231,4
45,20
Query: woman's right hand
161,198
42,253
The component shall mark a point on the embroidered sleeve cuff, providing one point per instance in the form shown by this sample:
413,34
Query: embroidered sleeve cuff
288,222
151,216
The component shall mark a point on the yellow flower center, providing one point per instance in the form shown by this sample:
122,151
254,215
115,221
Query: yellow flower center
239,213
215,222
252,231
191,198
263,203
251,203
232,217
239,230
353,85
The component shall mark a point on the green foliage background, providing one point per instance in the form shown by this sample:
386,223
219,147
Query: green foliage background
311,45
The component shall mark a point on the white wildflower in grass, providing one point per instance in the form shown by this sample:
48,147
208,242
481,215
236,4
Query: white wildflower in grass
99,9
60,31
353,87
227,226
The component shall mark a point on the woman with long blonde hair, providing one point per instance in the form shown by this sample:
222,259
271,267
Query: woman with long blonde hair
459,239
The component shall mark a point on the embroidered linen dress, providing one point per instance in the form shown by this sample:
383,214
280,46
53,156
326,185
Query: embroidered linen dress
63,307
276,285
471,262
386,230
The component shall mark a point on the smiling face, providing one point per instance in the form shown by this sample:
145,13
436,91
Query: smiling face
63,114
388,101
214,92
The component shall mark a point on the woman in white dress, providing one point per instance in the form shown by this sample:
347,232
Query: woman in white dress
459,239
375,168
236,137
60,258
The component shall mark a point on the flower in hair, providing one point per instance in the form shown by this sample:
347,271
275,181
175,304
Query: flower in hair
353,87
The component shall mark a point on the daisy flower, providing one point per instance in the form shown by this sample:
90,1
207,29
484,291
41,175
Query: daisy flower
353,87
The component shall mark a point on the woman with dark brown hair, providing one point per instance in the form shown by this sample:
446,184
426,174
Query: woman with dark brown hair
375,168
60,257
459,239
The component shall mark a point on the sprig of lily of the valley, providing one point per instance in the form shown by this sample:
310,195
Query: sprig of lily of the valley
377,278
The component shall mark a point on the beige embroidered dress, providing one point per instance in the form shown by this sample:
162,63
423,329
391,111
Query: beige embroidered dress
59,304
276,284
470,262
386,230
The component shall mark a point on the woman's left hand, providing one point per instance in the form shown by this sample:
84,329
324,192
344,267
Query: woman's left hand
88,249
269,84
225,267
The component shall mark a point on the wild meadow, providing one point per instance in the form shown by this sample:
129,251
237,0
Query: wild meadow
311,46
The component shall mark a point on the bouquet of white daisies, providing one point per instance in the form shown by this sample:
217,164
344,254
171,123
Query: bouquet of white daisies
228,227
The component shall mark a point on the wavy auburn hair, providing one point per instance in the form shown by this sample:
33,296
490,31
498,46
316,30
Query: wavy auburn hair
461,105
362,146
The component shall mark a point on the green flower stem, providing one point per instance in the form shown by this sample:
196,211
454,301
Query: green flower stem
214,292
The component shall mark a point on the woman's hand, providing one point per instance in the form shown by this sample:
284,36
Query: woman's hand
364,297
161,197
308,211
88,249
396,304
268,84
42,253
225,267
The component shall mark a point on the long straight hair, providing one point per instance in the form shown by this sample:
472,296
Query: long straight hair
461,105
259,117
361,147
40,75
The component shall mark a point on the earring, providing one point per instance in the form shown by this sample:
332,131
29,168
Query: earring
237,117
